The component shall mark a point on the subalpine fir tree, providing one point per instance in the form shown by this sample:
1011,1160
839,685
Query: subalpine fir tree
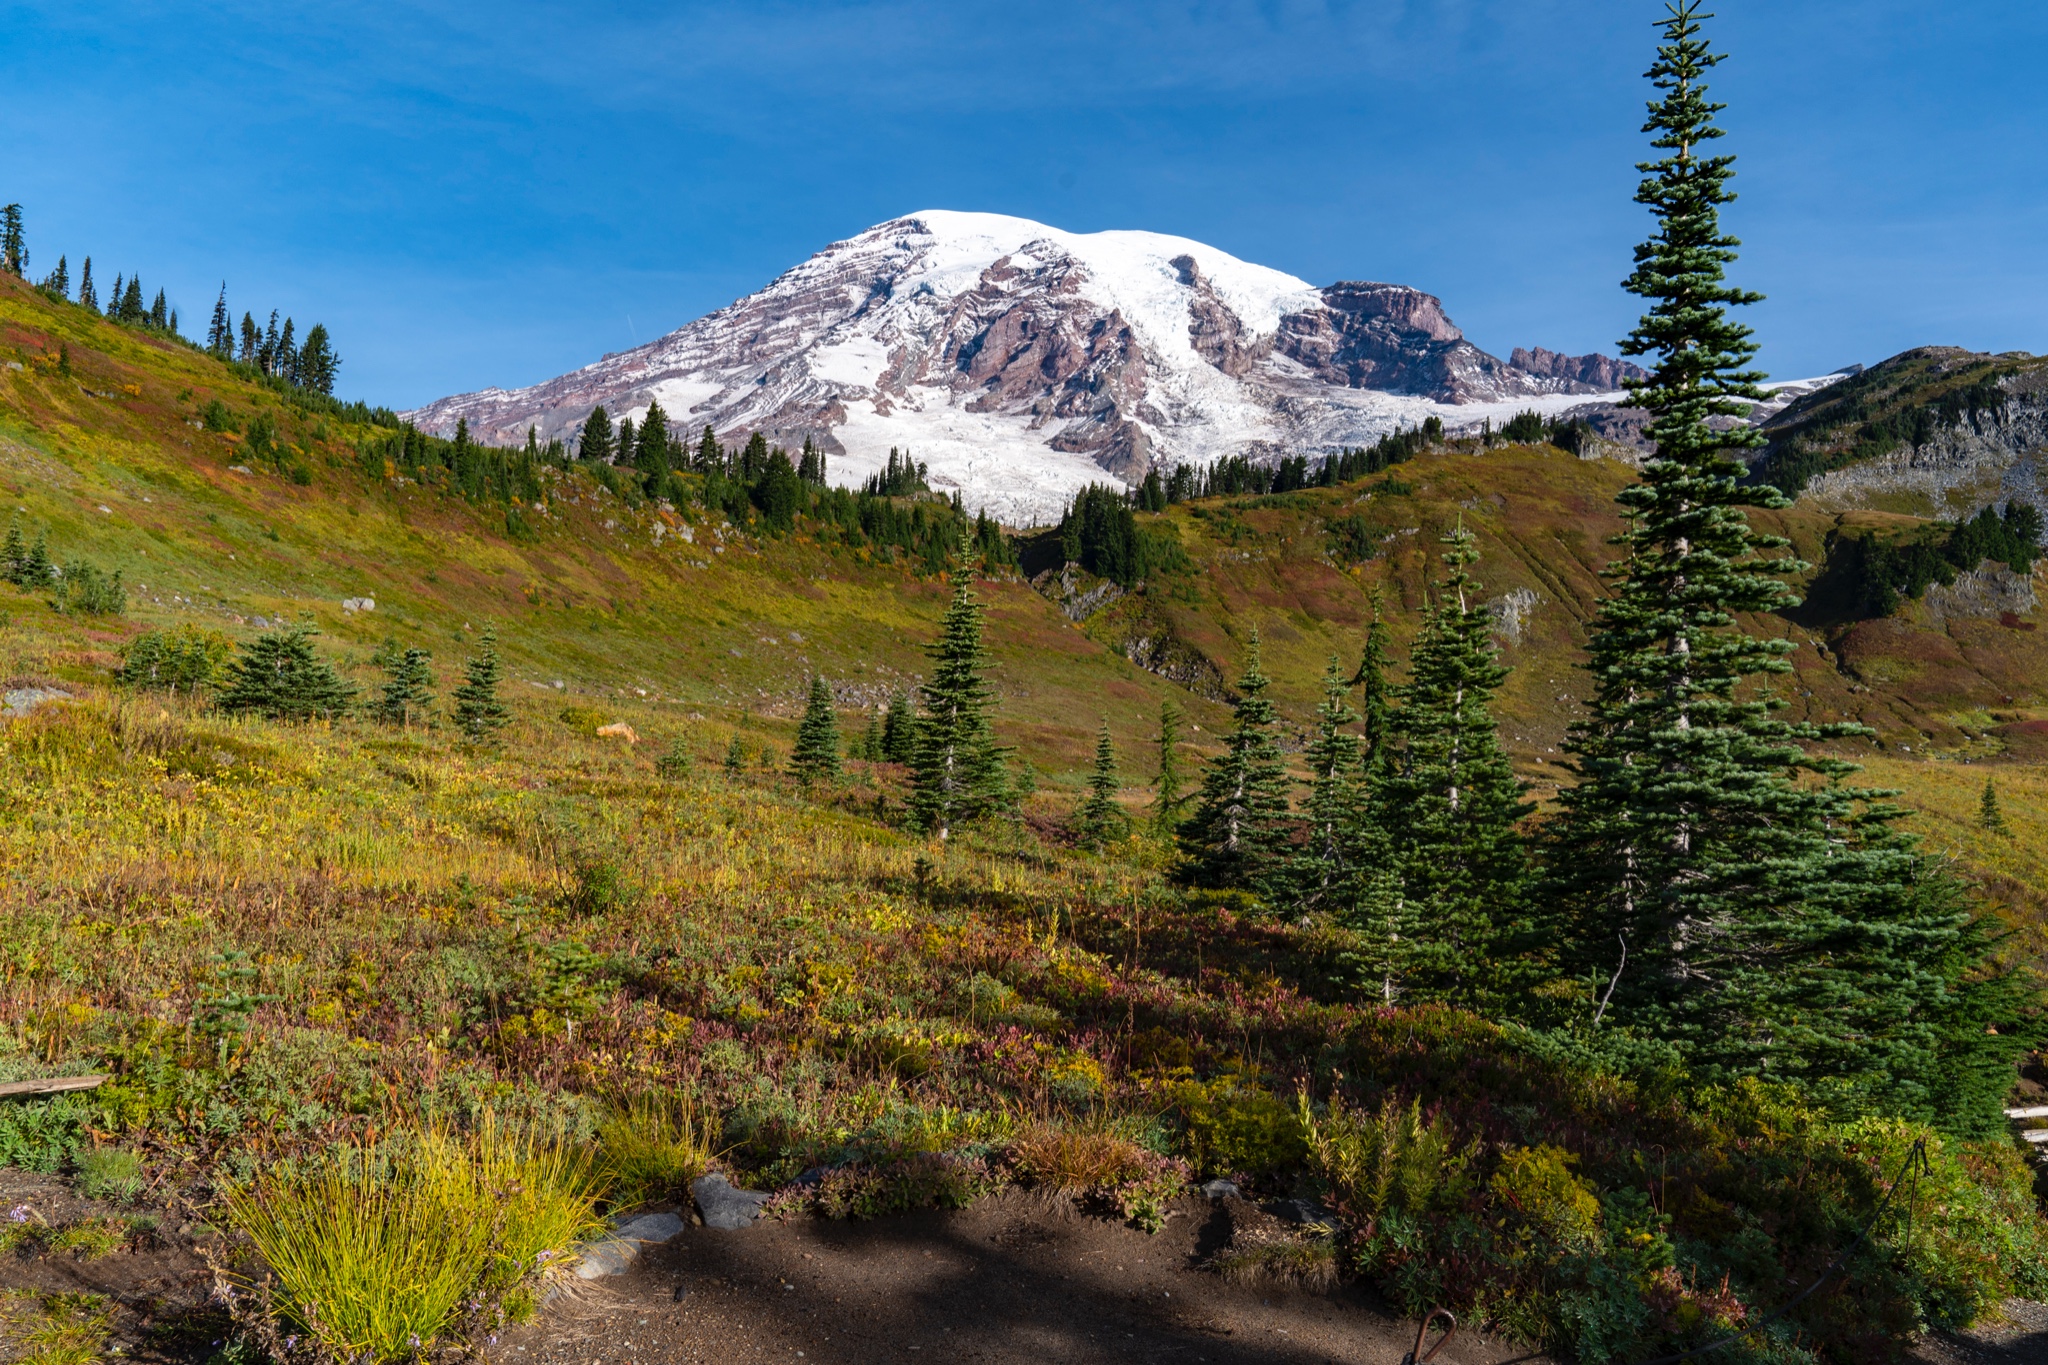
88,296
1451,803
278,675
1989,816
220,333
1100,820
13,245
59,280
1240,833
285,361
710,455
735,755
957,771
132,307
651,451
252,340
13,554
160,313
1327,866
408,693
816,755
869,746
1714,896
628,439
595,444
899,729
1169,789
36,567
479,714
318,365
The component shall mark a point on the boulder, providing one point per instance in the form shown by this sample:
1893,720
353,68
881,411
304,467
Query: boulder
614,1254
723,1204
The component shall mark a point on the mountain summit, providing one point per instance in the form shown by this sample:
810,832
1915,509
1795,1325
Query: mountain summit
1021,362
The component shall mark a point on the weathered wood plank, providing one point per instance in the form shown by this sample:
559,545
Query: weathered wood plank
52,1085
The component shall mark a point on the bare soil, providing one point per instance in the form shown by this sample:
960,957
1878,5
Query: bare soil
1020,1277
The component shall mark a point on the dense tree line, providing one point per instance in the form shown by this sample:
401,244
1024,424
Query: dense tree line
1099,532
1888,572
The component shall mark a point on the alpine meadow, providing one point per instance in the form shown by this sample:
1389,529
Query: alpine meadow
506,881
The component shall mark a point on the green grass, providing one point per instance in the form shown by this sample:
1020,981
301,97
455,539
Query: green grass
380,1255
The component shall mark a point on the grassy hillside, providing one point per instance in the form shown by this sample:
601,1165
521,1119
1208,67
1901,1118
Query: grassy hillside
279,938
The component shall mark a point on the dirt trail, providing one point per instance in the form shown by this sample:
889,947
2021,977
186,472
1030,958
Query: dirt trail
1015,1278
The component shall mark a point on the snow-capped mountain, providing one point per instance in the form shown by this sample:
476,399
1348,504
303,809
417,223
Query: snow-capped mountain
1021,362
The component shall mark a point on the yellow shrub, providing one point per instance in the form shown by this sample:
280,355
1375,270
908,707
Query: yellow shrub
1537,1182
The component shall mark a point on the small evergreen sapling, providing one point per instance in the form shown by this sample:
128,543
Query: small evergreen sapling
899,729
735,755
407,695
1989,816
1169,790
479,714
1327,867
816,755
1101,820
1239,835
278,675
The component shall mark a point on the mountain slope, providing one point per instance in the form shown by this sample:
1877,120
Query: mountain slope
1021,362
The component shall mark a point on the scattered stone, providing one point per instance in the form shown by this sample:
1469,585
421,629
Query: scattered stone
359,604
23,701
239,469
614,1254
1221,1189
723,1204
618,730
1307,1212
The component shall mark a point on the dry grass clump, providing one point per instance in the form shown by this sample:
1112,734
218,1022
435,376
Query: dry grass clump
372,1260
1063,1159
53,1329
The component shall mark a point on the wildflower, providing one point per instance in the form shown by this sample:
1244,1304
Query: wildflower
20,1213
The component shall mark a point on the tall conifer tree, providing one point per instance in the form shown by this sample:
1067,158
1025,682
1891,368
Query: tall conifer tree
88,296
957,771
595,445
1239,833
13,244
1713,895
220,333
1451,803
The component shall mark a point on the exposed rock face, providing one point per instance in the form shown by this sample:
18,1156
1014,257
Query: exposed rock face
1020,362
1959,462
1595,371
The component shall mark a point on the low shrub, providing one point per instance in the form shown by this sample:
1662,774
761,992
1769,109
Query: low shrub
109,1173
1230,1125
1308,1263
1074,1162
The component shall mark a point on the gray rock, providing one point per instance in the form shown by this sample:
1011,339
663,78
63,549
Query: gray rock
723,1204
1307,1212
1221,1189
613,1255
23,701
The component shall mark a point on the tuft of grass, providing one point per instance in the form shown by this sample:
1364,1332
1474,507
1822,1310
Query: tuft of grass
54,1329
1063,1159
1298,1263
651,1148
109,1173
89,1239
379,1261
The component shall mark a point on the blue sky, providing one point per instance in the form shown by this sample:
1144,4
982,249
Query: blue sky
495,193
